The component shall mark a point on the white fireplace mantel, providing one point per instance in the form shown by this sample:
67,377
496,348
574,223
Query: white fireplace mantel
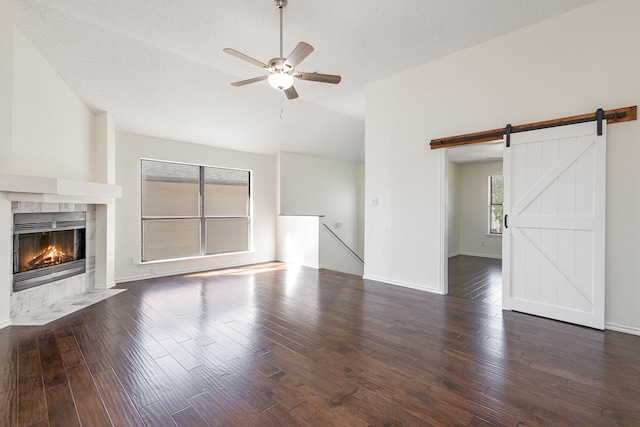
27,188
48,192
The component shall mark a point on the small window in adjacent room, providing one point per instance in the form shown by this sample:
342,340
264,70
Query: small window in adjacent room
496,190
191,210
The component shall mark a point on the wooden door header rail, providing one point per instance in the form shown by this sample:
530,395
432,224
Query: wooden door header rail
612,116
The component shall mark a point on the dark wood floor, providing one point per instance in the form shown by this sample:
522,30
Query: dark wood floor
476,279
271,346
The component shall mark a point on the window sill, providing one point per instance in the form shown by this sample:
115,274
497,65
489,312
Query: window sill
493,235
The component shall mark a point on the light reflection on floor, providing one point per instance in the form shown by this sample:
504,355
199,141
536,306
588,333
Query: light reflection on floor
262,268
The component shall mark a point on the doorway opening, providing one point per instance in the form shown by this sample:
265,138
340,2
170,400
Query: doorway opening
474,242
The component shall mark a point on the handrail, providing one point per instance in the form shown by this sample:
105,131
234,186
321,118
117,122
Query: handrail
343,243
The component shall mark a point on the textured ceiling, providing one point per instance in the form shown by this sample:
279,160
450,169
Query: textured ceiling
158,67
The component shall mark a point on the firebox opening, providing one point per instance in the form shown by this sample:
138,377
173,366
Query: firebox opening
47,247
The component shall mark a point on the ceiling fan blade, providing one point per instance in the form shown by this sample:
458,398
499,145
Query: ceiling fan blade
301,51
291,93
316,77
248,81
244,57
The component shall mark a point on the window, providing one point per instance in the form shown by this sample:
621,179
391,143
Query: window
191,210
496,190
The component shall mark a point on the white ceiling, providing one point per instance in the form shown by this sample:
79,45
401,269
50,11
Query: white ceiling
158,67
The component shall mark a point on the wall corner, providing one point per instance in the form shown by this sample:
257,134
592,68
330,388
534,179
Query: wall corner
6,84
105,172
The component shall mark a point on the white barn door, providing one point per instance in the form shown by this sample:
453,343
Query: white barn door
553,242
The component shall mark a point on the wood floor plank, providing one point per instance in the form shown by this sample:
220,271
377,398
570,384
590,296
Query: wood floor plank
110,346
90,407
8,408
162,386
182,380
8,376
32,407
245,337
70,353
151,345
189,417
238,411
318,410
259,398
263,376
156,415
211,410
476,279
31,401
267,345
139,390
53,373
294,357
179,353
91,350
8,346
119,405
280,417
61,408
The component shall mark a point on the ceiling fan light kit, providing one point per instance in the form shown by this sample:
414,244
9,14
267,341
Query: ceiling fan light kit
280,81
282,73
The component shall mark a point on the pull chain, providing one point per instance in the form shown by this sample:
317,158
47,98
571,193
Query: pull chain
282,106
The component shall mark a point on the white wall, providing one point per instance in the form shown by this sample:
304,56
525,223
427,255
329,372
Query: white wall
45,130
334,256
299,240
6,258
130,148
6,82
53,131
316,186
453,209
573,64
473,210
359,249
6,104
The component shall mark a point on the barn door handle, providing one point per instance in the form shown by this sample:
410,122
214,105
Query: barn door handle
506,223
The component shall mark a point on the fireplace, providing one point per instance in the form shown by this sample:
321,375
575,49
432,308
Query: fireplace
47,247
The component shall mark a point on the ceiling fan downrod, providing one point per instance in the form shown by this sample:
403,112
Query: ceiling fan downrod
280,4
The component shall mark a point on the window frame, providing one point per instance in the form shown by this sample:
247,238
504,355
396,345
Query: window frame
490,230
202,216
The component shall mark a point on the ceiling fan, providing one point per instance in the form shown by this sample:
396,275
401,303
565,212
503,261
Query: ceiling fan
282,70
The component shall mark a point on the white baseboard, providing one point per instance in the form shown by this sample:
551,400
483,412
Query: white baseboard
624,329
480,255
451,255
402,284
5,324
108,286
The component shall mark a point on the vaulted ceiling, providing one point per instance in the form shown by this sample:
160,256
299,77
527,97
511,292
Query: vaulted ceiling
158,66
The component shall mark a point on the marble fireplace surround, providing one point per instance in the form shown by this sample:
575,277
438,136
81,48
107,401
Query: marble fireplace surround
21,193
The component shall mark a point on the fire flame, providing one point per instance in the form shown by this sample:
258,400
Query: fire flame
50,255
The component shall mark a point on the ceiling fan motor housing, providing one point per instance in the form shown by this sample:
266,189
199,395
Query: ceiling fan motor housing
280,3
279,65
